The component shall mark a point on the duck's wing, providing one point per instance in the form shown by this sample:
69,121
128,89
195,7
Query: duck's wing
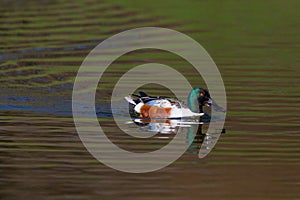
159,101
145,98
177,103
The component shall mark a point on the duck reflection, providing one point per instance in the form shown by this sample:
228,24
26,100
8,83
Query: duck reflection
193,129
164,126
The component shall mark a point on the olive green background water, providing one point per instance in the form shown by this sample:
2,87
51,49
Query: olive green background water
255,45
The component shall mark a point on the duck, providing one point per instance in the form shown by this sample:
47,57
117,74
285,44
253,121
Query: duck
162,107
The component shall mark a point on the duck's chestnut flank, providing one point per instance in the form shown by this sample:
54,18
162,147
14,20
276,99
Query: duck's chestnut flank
147,111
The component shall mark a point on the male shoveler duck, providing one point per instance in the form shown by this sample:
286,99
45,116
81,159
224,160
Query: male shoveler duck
164,107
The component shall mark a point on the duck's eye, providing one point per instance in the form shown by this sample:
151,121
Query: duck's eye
201,94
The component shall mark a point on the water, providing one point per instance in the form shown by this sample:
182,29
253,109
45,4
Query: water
255,46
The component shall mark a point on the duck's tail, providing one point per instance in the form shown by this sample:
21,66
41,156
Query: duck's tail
130,100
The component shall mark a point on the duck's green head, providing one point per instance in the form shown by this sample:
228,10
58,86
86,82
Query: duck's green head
198,98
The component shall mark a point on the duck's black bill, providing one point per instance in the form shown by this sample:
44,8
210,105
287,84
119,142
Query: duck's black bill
212,103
